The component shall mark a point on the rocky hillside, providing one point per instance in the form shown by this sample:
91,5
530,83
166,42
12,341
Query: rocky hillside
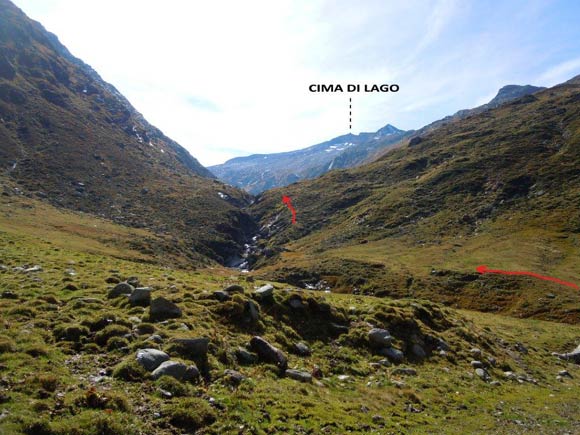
72,139
498,188
260,172
92,344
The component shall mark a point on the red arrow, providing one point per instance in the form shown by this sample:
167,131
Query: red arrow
484,269
286,200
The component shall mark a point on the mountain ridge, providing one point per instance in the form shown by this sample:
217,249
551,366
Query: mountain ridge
73,140
250,173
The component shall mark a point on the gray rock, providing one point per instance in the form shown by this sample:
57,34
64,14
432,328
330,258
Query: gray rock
252,312
298,375
295,302
233,377
407,371
495,383
492,361
565,373
121,289
380,337
141,296
193,347
245,357
570,356
337,329
264,292
483,374
133,280
221,296
475,352
177,370
442,345
7,294
150,359
418,351
234,288
477,364
155,338
394,355
521,348
268,353
302,349
510,375
385,362
162,309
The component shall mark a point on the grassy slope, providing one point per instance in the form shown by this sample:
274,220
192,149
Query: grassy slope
45,382
499,188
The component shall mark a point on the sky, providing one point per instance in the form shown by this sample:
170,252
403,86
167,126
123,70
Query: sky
231,78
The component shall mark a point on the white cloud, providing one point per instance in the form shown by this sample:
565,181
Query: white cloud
561,72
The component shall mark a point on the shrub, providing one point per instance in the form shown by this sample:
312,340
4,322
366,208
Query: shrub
130,370
172,385
7,344
36,349
190,414
70,332
103,336
100,400
116,343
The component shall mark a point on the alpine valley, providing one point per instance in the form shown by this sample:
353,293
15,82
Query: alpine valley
366,316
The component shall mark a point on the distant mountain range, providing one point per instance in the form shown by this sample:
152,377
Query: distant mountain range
260,172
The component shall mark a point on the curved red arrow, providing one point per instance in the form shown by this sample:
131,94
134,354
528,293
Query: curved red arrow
484,269
286,200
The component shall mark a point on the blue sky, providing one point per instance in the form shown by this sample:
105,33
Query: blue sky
230,78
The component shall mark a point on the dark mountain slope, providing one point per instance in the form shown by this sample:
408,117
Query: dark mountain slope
260,172
501,187
73,139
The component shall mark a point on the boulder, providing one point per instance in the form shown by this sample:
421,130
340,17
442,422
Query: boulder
264,292
394,355
133,280
141,296
380,337
192,347
162,309
150,359
245,357
7,294
233,377
155,338
221,296
234,288
570,356
177,370
121,289
418,351
295,302
337,329
483,374
268,353
477,364
299,375
252,313
302,349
